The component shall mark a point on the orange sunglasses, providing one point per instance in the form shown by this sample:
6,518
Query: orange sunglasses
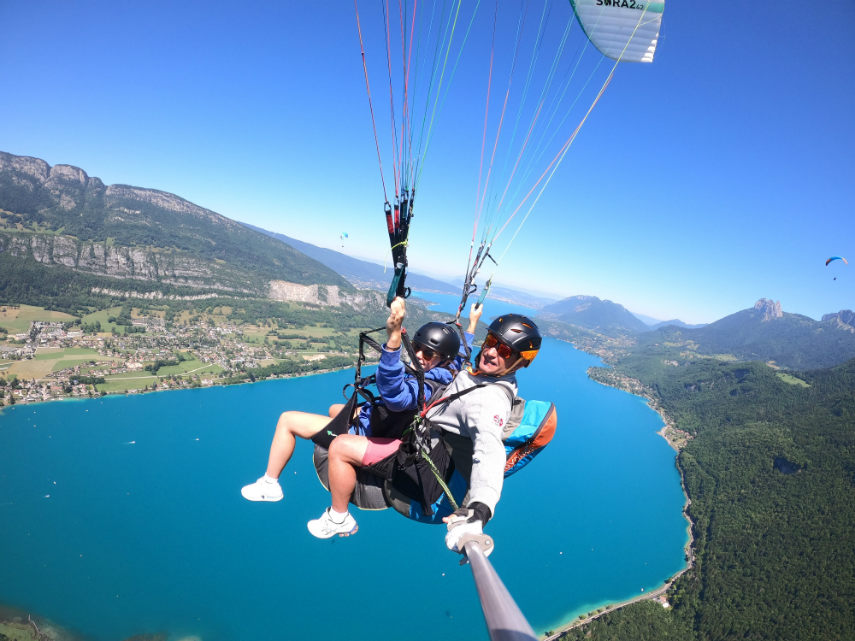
501,349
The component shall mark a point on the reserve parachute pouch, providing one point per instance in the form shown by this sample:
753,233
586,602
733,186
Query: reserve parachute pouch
529,429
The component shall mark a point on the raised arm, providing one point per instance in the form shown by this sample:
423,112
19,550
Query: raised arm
475,311
398,390
397,312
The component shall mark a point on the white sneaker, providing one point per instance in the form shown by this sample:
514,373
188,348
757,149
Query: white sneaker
325,527
262,490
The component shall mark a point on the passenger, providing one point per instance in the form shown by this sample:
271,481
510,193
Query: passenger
478,414
436,345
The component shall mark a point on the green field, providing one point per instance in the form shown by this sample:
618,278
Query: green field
47,360
66,363
126,382
792,380
131,381
320,331
255,335
77,353
102,316
16,319
193,366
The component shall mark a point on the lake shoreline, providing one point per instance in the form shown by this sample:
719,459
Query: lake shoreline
676,440
18,624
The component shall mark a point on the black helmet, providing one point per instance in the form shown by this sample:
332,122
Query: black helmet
441,338
519,333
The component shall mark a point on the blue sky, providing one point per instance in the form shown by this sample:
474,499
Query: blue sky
719,174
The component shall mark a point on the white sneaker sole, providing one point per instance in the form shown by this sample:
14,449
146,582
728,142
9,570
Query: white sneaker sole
263,497
332,534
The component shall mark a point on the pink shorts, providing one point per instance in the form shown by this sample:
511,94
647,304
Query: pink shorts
379,448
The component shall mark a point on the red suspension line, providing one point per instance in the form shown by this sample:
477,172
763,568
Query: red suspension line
407,113
395,156
370,102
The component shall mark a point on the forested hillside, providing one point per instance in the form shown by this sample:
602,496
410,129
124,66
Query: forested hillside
61,217
770,473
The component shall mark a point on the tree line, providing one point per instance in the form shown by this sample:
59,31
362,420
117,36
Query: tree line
774,553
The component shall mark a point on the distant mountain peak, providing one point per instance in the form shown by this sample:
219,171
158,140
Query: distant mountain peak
765,333
769,308
594,313
844,319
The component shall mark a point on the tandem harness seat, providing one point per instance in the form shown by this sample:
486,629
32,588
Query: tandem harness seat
428,477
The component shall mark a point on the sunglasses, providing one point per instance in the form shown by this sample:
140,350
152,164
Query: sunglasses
427,352
501,349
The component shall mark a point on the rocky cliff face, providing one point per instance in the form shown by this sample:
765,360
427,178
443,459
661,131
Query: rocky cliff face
165,267
60,216
320,294
769,308
71,188
844,319
116,262
21,167
64,183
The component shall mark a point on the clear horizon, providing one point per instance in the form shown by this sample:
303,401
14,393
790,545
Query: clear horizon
556,298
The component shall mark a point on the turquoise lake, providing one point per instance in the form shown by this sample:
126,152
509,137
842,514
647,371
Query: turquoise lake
123,515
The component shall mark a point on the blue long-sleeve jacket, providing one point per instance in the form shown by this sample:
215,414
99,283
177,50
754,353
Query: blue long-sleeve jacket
399,391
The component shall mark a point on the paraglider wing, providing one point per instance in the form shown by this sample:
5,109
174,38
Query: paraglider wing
845,262
624,30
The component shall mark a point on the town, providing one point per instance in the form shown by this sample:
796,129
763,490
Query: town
129,351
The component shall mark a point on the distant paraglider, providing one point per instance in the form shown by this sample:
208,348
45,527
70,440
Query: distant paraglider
342,238
833,258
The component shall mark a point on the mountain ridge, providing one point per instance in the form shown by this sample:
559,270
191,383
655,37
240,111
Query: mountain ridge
765,332
360,273
60,217
594,313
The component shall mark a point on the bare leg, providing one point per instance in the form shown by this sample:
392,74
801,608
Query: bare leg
335,409
346,453
289,426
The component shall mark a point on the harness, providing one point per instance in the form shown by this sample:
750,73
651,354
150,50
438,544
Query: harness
428,475
383,421
423,465
530,427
